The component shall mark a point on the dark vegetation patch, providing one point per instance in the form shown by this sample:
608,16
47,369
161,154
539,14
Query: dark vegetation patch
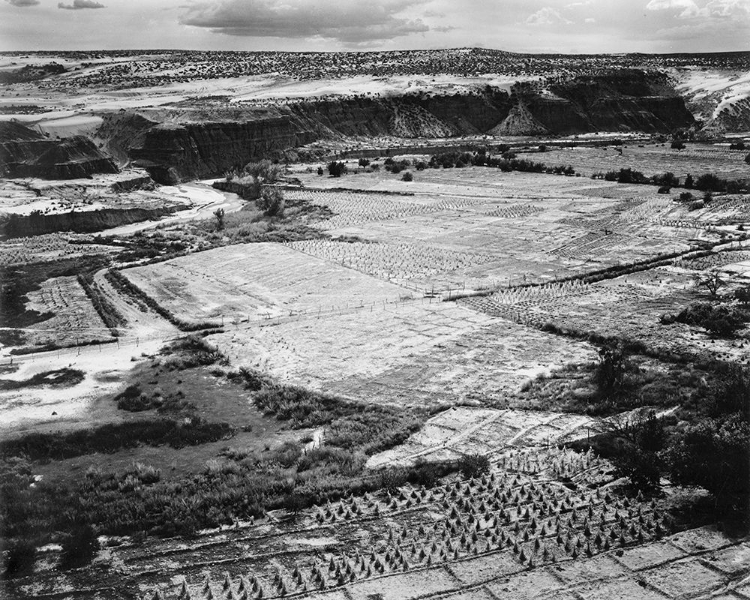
109,314
255,475
703,441
115,437
58,378
721,320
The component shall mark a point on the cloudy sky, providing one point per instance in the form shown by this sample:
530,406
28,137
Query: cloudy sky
577,26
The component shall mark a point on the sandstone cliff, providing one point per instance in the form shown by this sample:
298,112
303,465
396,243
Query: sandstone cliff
619,101
26,153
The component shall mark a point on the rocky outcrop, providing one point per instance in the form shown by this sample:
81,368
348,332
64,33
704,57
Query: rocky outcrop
173,153
36,223
627,100
25,153
519,122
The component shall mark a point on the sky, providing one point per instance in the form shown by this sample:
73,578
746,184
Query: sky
560,26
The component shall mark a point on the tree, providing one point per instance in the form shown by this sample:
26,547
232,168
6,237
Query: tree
642,437
336,169
473,465
407,176
712,281
715,455
609,374
271,201
219,214
743,294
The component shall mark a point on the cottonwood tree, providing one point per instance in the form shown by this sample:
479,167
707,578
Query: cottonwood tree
219,215
711,281
271,201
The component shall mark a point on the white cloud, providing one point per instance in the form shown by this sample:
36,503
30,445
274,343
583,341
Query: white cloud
712,9
354,21
590,20
80,5
23,3
547,16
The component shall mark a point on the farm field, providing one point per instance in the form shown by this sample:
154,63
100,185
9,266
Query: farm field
515,530
478,227
641,299
75,322
426,298
650,159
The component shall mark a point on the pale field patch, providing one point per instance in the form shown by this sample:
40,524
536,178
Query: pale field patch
75,321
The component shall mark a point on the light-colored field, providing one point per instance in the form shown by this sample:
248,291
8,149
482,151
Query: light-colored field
650,159
256,281
74,321
479,227
629,307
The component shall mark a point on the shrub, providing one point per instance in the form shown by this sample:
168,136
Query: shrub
686,197
219,216
666,180
609,374
710,182
737,146
20,559
336,169
363,162
722,321
677,145
715,454
79,547
271,201
473,465
407,176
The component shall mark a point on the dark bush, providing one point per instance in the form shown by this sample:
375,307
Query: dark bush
363,162
473,465
336,169
666,180
79,547
677,145
715,454
720,320
20,559
407,176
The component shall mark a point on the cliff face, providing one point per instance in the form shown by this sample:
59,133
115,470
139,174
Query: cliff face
24,153
15,225
620,101
172,153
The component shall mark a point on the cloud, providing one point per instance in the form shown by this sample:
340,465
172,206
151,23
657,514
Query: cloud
23,3
547,16
80,4
713,9
352,22
590,20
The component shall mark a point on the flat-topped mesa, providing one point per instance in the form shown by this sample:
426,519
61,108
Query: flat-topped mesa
26,153
626,100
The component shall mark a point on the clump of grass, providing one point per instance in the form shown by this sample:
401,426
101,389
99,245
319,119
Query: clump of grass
57,378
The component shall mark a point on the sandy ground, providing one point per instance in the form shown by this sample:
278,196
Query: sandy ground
202,199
